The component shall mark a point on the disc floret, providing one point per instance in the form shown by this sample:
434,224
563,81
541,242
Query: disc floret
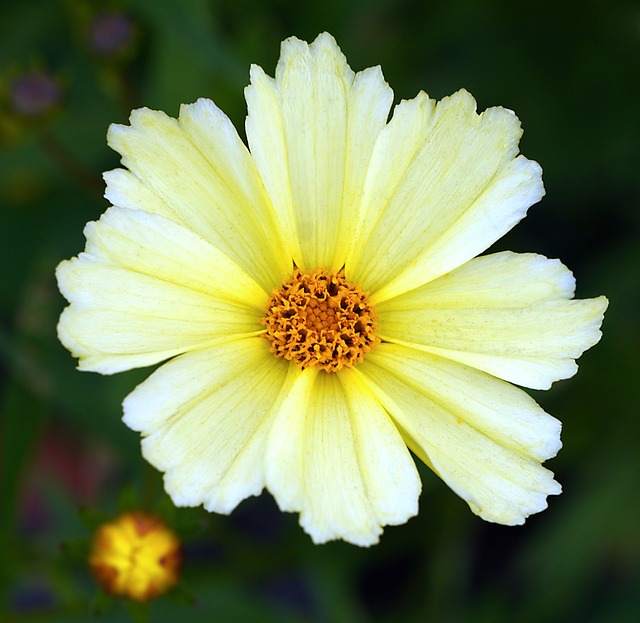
318,318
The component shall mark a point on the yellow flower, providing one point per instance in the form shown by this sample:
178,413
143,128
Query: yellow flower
320,304
135,556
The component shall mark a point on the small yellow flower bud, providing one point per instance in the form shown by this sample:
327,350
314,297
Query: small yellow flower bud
135,556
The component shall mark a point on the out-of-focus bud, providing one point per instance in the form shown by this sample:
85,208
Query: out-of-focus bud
111,35
135,556
34,94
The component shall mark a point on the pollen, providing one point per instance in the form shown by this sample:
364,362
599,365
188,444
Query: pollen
318,318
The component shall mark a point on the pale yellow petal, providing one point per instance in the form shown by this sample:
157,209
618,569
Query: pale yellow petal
444,184
203,177
215,137
285,456
159,247
498,410
119,319
507,314
388,471
146,289
503,279
451,418
311,133
205,417
125,190
335,456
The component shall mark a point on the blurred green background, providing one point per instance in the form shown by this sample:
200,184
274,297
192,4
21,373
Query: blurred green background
570,70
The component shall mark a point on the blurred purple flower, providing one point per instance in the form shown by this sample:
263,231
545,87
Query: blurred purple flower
111,34
34,94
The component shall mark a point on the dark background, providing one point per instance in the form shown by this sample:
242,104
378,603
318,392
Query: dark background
570,70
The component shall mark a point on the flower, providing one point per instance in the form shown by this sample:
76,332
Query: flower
135,556
320,302
111,34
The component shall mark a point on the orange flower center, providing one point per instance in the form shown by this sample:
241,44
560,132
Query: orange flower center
320,319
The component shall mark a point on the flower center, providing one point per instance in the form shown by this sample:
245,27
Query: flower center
320,319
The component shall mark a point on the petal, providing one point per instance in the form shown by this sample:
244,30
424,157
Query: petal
388,471
311,133
205,416
334,455
159,247
483,437
443,185
498,410
507,314
147,289
125,190
197,171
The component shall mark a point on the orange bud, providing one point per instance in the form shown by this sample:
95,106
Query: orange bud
135,556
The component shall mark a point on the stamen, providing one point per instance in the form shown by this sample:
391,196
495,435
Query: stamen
320,319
